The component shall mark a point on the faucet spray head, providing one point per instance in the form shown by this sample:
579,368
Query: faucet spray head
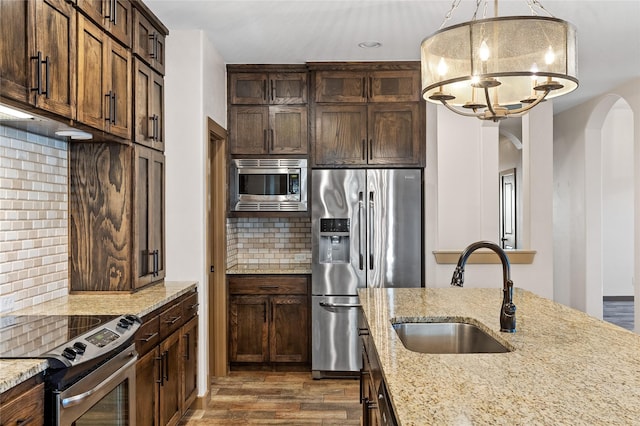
458,277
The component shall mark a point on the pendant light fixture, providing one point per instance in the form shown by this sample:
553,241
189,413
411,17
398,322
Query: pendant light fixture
499,67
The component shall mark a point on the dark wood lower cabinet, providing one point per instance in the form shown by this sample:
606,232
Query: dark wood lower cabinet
166,372
269,319
23,404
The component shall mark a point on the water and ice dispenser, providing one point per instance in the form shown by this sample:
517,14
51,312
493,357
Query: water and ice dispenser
334,241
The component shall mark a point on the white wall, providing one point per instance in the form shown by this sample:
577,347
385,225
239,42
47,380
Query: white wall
617,201
195,90
462,196
578,200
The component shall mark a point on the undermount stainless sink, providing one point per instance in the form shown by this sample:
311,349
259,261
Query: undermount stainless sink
446,338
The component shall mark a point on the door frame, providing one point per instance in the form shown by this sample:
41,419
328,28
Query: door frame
216,251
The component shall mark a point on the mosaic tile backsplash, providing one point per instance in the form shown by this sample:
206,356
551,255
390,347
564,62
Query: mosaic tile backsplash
33,219
268,241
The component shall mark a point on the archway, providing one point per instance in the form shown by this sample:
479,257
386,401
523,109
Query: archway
602,137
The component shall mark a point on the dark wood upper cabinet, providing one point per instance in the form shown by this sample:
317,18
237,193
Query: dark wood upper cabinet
104,81
38,54
268,88
368,114
361,86
148,41
148,104
114,16
341,135
149,217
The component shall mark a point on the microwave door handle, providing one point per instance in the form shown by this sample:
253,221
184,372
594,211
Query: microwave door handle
360,234
371,226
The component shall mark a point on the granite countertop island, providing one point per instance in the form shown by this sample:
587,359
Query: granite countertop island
15,371
565,367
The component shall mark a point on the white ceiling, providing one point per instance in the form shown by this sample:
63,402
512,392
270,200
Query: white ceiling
298,31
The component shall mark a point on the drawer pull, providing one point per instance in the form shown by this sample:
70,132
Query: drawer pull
173,320
194,306
21,422
148,338
269,287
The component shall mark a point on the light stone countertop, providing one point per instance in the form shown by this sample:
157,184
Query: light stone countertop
15,371
270,268
566,368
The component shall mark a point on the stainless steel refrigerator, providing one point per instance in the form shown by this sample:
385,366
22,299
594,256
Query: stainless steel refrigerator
366,232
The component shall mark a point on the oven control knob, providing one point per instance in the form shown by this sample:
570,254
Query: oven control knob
124,323
79,347
69,353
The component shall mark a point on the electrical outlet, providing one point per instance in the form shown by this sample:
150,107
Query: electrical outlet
299,257
7,302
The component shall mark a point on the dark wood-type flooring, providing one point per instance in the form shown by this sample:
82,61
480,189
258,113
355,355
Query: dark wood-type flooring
619,313
279,398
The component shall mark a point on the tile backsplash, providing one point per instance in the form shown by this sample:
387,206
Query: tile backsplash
33,219
268,241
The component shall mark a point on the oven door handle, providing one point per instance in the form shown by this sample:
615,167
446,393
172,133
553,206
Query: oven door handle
340,305
77,399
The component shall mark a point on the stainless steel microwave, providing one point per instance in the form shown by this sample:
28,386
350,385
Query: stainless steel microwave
268,184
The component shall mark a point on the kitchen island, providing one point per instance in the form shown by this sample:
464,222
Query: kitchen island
564,367
15,371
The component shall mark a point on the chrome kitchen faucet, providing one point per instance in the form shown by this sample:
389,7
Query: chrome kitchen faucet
508,309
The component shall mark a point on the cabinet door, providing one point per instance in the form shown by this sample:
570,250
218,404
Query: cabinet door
55,32
248,88
288,130
119,89
394,86
288,337
94,103
248,330
15,49
100,209
189,350
288,88
248,130
170,386
113,15
148,42
394,134
26,409
148,260
341,134
340,86
148,106
147,379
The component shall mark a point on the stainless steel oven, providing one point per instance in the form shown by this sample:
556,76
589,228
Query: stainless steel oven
105,396
268,184
91,374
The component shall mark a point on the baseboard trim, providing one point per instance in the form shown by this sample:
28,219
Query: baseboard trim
617,298
200,402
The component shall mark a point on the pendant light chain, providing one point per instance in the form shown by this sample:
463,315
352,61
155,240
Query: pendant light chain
535,3
454,6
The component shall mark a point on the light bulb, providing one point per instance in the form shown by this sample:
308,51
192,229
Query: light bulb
442,67
549,57
534,70
483,52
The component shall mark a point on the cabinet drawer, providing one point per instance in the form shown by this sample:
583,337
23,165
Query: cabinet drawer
268,284
28,408
171,320
190,307
148,335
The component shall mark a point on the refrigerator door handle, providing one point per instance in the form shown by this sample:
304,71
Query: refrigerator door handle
340,305
371,229
360,236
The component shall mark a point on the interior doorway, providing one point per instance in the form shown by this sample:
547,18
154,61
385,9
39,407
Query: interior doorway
217,248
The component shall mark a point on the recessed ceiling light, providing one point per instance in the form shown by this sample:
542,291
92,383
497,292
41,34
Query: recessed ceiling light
13,113
369,44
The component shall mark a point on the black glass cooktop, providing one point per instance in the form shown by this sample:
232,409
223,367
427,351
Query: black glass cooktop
29,336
